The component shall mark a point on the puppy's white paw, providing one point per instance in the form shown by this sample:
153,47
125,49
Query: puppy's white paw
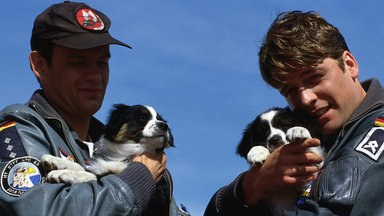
70,176
297,133
257,155
56,163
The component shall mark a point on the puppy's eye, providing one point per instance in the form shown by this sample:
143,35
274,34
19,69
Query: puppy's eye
158,117
139,118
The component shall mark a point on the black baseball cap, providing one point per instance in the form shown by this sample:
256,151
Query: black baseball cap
72,25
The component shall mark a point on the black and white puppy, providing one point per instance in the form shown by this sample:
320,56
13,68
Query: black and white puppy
131,130
270,130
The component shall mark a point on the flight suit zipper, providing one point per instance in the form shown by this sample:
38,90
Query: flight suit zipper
64,129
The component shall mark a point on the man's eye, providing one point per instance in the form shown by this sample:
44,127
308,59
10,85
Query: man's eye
286,92
316,78
77,62
102,62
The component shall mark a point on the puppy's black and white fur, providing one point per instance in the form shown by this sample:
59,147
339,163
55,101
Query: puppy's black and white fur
131,130
270,130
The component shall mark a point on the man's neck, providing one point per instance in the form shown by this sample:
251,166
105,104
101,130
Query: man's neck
79,125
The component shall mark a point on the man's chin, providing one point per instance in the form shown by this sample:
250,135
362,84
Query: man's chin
328,128
91,107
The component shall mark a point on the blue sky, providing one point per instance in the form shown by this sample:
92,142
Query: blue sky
196,63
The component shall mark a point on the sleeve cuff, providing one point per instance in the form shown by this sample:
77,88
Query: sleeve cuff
140,180
231,199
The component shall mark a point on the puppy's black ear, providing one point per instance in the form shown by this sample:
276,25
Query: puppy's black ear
287,108
248,139
170,140
116,120
243,147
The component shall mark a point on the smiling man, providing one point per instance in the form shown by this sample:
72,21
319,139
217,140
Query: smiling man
308,61
75,81
327,92
70,59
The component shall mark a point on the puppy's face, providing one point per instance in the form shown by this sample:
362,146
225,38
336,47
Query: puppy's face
274,127
138,124
269,130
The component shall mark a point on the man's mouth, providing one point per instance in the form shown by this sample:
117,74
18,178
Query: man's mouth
320,112
92,91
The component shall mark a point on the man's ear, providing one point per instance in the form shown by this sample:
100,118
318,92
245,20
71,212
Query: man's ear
38,63
351,65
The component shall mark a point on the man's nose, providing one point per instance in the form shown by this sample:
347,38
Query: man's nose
307,97
93,73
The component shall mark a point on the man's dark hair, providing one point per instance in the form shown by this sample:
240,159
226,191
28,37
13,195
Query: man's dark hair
45,49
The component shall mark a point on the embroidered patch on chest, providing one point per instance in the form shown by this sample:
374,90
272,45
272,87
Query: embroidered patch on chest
21,174
66,156
305,195
373,143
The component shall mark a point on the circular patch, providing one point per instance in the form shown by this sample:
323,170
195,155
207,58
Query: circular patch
89,19
21,174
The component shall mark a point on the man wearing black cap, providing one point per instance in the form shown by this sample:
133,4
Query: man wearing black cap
70,55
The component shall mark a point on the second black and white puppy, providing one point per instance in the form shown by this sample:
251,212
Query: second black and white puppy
131,130
270,130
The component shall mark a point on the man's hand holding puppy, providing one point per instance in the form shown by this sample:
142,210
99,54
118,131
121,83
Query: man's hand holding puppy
155,162
286,166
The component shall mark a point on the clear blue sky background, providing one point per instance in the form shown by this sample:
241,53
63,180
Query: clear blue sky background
196,62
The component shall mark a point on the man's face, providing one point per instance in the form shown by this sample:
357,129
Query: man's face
326,92
76,80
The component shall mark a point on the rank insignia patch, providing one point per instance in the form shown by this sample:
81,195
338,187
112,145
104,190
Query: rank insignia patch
373,143
21,174
10,142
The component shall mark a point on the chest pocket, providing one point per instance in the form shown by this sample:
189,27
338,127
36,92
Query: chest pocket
338,183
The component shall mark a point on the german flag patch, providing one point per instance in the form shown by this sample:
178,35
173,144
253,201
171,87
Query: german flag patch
379,122
8,125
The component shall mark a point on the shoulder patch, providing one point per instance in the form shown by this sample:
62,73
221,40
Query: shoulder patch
21,174
10,142
373,143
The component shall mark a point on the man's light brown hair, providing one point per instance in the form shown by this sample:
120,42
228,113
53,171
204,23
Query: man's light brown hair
295,41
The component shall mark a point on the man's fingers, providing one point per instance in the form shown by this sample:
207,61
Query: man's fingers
155,162
307,158
298,179
302,146
303,170
300,154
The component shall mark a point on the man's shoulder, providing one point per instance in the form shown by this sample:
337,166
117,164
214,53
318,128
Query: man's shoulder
18,111
22,115
15,108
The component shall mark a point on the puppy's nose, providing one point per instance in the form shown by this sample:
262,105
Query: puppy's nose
162,125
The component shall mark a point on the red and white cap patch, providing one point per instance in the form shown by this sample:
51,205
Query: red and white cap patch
89,19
